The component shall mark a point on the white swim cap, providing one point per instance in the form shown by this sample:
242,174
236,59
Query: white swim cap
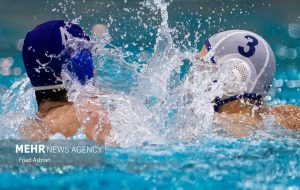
247,58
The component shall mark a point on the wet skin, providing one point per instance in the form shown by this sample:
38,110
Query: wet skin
62,117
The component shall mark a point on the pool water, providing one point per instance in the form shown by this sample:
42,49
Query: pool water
161,154
209,164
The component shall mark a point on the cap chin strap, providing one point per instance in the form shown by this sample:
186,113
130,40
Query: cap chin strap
219,103
50,87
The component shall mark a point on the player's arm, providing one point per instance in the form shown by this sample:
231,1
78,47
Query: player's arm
95,121
287,116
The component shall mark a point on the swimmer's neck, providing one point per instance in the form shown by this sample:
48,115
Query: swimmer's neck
45,107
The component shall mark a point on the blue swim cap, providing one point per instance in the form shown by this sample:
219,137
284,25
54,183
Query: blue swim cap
45,54
81,66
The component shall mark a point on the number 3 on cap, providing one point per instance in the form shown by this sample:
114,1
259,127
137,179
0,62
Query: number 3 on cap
251,49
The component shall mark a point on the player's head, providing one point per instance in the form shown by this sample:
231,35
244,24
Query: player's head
246,62
47,50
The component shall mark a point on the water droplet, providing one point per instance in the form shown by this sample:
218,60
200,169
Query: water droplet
20,44
17,71
294,30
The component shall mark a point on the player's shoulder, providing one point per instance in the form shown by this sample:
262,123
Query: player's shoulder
65,111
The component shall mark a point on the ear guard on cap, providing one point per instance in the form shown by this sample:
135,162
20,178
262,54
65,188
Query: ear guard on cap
81,66
236,75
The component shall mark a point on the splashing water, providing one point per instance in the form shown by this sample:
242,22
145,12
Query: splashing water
17,106
162,115
156,105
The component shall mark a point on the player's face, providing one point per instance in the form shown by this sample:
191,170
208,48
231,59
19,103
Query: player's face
203,62
202,53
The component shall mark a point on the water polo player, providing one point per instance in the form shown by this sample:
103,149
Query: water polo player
47,51
248,65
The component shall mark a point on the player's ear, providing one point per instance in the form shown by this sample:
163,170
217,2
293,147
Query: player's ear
202,53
